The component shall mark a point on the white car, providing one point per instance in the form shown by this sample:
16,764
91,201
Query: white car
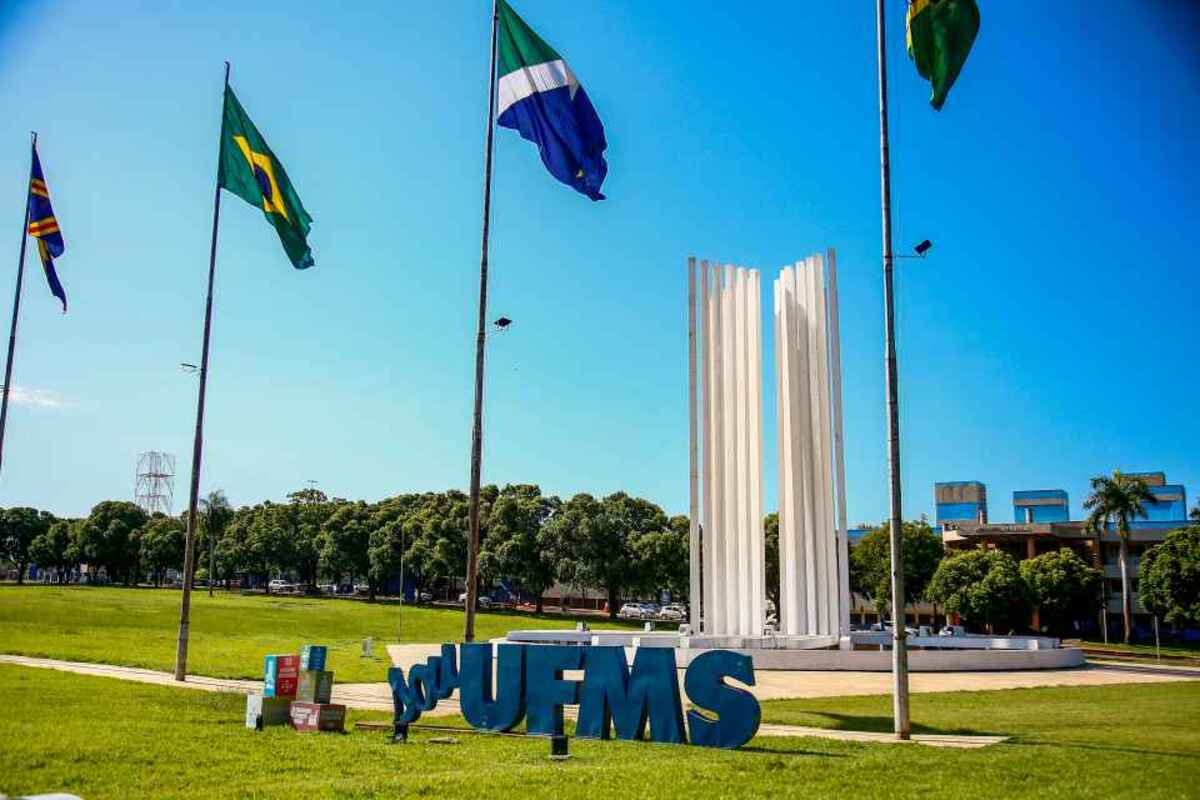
953,630
632,611
673,611
483,601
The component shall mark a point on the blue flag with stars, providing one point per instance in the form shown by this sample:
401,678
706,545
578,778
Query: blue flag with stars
43,226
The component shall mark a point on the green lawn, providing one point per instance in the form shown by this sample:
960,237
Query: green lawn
102,738
230,633
1146,651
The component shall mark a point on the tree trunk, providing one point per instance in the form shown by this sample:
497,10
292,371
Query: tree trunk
612,603
21,566
371,590
1126,598
538,608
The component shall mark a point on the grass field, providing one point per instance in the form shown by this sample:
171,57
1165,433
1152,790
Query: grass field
230,633
102,738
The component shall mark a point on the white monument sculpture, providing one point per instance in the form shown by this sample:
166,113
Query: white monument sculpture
728,563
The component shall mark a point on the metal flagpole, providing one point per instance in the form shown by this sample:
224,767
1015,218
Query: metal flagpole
480,342
12,335
198,445
899,637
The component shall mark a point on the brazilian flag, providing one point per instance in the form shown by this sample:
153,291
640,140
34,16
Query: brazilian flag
251,171
940,34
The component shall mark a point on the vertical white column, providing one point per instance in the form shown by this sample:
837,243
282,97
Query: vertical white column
839,453
829,529
706,543
786,612
757,546
741,390
715,618
730,565
693,454
804,444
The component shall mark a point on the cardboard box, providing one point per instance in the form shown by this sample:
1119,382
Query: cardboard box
312,656
316,686
272,711
318,717
280,675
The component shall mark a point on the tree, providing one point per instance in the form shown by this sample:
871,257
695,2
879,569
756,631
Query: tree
1114,503
664,558
257,542
1169,578
215,516
1195,515
51,549
1063,587
596,542
984,587
346,544
107,539
871,565
771,560
162,543
515,547
18,528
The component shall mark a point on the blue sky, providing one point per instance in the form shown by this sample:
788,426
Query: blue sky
1051,334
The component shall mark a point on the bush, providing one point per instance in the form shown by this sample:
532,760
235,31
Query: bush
1063,586
984,587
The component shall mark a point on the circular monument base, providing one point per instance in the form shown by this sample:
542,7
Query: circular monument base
861,652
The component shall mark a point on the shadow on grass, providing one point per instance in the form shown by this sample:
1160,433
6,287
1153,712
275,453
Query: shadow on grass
850,722
1104,748
770,751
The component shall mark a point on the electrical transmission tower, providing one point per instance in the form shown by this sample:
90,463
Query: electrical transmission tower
155,486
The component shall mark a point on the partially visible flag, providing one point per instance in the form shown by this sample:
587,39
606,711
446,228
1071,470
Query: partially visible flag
940,35
251,171
43,226
540,98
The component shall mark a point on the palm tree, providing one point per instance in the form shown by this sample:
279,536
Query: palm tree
1114,503
217,513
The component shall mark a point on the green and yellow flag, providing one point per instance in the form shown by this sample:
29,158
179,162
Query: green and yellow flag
251,171
940,34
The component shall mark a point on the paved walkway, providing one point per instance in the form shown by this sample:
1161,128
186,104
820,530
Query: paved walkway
771,685
781,684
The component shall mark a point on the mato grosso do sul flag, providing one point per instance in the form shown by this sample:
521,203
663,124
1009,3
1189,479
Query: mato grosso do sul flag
250,170
940,35
43,226
540,98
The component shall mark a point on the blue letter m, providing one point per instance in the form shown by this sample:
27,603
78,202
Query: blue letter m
611,694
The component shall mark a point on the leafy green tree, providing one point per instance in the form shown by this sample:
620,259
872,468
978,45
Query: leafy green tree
596,542
1115,503
215,515
1063,587
51,549
984,587
771,561
258,542
664,558
1169,578
18,528
162,544
871,565
1195,515
346,543
108,539
515,547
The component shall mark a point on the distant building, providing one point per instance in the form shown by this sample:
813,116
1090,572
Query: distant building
960,501
1042,523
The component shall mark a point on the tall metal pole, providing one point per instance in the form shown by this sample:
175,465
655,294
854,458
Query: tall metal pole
899,635
480,346
189,555
12,335
693,461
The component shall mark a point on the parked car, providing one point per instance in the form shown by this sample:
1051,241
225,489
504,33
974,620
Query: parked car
673,611
483,601
425,597
277,585
953,630
327,588
631,611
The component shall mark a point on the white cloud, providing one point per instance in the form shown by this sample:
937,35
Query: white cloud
36,398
